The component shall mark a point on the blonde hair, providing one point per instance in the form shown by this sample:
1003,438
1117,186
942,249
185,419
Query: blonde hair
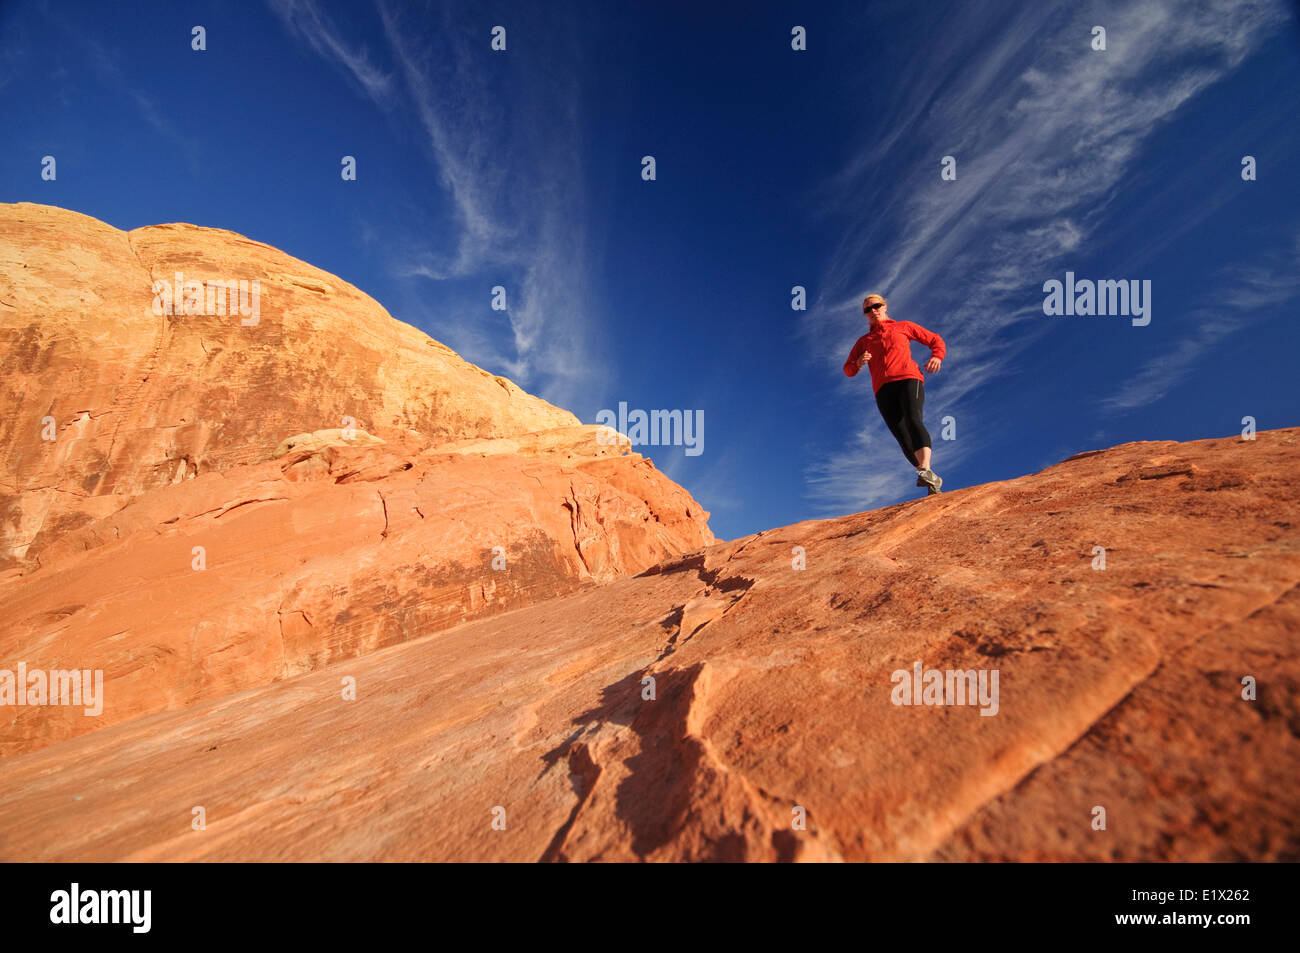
874,295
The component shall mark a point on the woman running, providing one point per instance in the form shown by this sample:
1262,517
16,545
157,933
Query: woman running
898,382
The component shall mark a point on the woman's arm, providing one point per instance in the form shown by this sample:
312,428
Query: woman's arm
857,358
931,340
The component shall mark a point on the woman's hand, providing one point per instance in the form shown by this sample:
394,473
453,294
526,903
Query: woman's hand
933,364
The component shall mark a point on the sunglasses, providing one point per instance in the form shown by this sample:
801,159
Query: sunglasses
872,307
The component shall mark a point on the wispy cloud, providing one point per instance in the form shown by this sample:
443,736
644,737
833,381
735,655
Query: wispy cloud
309,23
502,137
1043,129
1240,294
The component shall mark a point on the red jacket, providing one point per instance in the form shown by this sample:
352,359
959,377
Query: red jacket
891,352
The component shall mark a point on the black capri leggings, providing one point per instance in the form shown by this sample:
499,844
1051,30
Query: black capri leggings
900,403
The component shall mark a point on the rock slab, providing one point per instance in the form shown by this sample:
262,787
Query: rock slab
726,704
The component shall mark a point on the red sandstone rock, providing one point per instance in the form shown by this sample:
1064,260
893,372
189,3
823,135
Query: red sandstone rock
190,534
140,401
773,691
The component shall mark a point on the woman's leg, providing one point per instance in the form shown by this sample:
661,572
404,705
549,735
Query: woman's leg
914,402
890,401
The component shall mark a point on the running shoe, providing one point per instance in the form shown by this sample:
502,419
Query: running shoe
929,479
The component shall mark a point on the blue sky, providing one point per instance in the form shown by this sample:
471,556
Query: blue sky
775,168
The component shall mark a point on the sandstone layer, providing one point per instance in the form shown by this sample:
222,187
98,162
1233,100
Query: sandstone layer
701,709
